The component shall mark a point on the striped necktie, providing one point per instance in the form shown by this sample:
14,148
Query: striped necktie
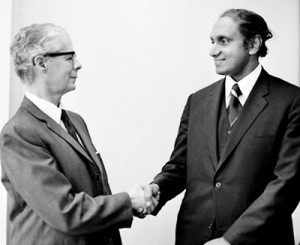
234,104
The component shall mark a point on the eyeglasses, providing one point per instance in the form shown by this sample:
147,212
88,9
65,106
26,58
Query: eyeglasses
59,54
55,54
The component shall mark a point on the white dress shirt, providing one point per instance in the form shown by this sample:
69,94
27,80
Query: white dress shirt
47,107
246,85
50,109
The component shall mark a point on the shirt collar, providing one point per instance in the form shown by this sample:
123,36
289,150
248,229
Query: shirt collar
45,106
246,84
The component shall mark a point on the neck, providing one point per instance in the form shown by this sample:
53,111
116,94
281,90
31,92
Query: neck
247,70
41,93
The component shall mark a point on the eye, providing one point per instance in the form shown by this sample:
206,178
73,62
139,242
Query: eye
224,40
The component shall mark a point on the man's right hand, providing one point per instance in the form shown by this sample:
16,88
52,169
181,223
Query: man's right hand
138,201
152,195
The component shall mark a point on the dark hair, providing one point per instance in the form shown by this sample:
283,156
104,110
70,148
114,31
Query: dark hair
251,24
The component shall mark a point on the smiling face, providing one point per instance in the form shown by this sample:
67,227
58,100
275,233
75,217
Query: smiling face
232,57
62,70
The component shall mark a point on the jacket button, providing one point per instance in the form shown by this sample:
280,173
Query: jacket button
218,184
210,226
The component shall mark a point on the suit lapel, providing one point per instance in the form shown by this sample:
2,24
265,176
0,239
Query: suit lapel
53,126
84,138
254,105
216,96
61,132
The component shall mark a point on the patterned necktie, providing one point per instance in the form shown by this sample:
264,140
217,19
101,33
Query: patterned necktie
234,104
68,124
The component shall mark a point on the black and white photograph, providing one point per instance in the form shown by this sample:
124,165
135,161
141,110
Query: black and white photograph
153,122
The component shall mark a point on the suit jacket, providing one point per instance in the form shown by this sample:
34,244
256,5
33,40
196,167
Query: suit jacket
58,192
248,193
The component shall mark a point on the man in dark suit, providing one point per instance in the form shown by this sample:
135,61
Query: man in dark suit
237,152
58,192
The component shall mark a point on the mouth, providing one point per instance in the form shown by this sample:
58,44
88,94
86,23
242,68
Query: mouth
219,61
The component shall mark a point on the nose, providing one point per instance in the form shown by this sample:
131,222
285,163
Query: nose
214,50
77,64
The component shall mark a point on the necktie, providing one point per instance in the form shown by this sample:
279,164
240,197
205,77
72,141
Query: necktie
68,124
93,168
234,104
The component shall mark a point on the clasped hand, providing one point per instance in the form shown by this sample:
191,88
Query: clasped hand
144,199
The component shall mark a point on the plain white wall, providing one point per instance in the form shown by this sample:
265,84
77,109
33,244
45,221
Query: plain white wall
5,27
141,59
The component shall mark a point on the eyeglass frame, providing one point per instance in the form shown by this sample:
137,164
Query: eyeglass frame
55,54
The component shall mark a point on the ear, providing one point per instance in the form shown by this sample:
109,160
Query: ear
255,44
39,61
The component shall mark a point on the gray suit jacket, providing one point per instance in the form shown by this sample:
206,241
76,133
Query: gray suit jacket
58,191
248,193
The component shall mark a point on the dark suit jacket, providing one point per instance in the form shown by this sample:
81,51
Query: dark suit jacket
249,193
56,193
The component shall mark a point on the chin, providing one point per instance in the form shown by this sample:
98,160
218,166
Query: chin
220,72
72,88
223,71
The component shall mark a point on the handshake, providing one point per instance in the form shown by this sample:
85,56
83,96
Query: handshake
144,199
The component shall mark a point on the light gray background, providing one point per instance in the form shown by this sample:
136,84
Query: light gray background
141,59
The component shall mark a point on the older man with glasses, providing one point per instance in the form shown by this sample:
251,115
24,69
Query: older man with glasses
57,186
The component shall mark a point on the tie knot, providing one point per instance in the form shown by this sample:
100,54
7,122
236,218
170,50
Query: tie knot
235,91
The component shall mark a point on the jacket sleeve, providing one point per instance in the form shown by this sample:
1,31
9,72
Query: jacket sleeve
172,178
33,177
281,195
